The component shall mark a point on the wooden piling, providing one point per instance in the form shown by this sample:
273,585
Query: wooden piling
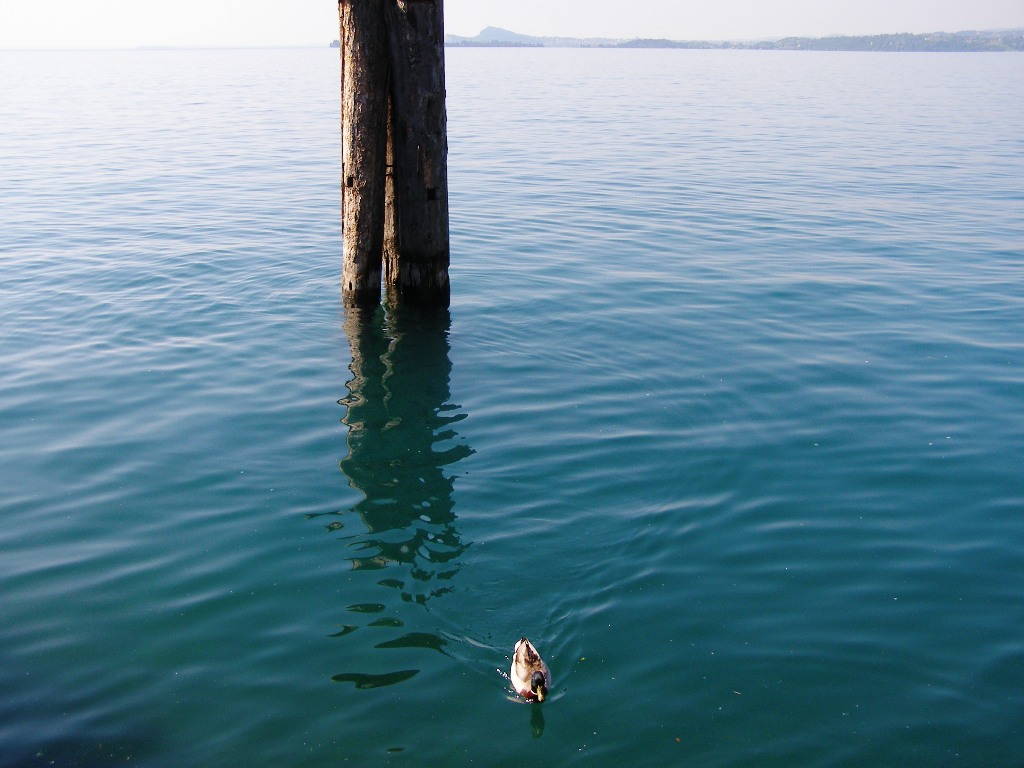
417,269
394,150
390,222
364,79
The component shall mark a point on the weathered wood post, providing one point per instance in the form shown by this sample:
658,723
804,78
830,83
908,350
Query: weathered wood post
364,78
394,150
416,261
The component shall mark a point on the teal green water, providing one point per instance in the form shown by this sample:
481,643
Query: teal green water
727,416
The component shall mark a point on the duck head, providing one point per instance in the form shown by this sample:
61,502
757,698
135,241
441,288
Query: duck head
539,686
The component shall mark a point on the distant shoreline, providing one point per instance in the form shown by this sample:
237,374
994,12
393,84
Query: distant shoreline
984,41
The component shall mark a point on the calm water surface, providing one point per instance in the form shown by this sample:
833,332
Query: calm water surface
727,416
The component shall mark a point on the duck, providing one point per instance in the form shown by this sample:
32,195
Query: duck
529,674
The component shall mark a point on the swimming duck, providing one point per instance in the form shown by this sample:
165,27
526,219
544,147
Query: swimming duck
529,674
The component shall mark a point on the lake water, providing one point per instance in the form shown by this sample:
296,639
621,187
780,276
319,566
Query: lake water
727,416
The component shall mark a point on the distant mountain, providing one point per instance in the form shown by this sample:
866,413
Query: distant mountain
496,37
968,41
499,35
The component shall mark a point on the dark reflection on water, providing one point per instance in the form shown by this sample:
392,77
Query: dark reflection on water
401,448
415,640
367,607
536,720
363,680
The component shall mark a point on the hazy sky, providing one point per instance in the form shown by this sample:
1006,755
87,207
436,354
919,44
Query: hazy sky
129,23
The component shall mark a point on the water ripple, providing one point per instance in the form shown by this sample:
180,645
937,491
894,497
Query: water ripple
725,416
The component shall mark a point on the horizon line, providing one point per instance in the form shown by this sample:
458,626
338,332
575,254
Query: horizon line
250,46
182,47
762,36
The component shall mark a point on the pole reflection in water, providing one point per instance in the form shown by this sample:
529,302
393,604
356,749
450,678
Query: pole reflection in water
401,448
